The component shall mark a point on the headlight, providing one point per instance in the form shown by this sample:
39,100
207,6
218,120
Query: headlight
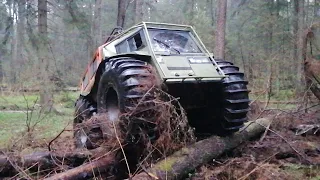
199,60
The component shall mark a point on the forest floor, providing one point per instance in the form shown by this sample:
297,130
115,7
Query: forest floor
290,149
287,150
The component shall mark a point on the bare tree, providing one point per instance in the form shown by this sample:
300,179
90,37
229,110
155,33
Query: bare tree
121,12
12,10
46,97
298,25
221,29
20,40
138,11
97,31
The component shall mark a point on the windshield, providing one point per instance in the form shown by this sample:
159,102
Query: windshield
173,41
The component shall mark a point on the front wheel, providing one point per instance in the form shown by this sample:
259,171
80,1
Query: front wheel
124,86
124,83
235,104
84,110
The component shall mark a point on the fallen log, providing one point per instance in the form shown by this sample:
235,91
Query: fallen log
175,166
11,164
87,170
184,161
312,73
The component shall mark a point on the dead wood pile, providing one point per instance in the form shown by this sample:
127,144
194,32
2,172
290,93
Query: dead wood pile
127,147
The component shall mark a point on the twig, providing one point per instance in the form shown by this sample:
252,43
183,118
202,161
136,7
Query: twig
259,166
308,108
140,163
15,176
49,145
284,139
257,97
267,128
19,169
140,101
124,155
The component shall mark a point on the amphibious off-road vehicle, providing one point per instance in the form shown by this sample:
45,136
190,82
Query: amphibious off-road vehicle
212,91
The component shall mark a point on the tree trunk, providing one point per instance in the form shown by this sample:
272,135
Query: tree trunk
44,161
295,37
269,45
121,12
191,9
182,162
96,24
311,65
87,170
298,47
13,63
316,9
138,17
46,96
212,13
221,29
2,53
83,23
20,37
312,74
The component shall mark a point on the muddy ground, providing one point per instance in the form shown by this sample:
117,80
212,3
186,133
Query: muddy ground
283,152
287,150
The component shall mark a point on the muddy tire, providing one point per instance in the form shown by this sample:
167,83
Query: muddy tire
124,82
84,109
235,104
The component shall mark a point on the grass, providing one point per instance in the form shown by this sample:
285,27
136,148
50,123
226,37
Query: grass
13,126
16,101
14,123
21,101
277,100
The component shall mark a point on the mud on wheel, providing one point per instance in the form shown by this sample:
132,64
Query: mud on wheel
124,82
235,97
84,109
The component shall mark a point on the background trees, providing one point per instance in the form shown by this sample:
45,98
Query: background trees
263,37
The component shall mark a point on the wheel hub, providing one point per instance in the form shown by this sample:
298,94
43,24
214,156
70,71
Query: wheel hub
112,107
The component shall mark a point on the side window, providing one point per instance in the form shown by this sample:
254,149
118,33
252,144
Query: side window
131,44
138,40
122,47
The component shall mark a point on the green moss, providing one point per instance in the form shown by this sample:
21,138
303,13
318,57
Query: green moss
185,151
166,165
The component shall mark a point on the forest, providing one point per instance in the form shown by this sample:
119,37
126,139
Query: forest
47,45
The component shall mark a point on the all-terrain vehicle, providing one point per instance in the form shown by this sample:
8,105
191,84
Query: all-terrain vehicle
172,57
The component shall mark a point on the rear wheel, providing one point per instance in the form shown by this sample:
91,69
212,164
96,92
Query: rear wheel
84,109
235,103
